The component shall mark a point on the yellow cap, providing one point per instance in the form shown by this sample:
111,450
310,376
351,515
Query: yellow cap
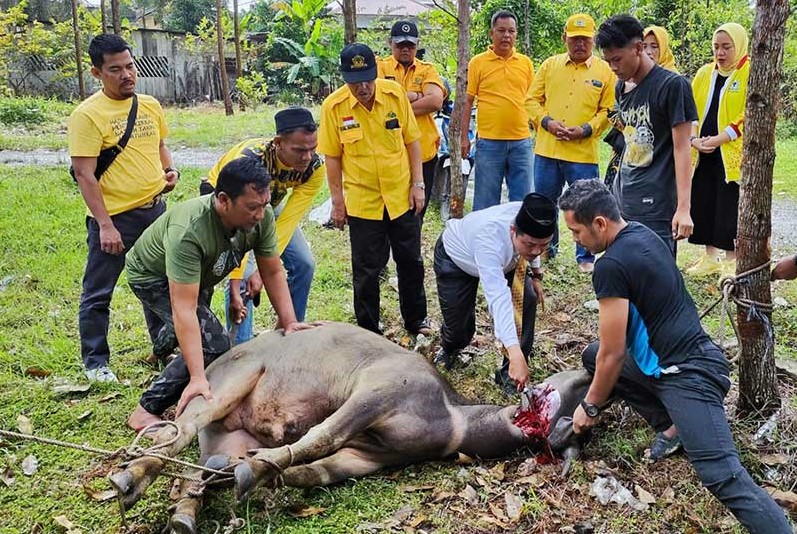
580,25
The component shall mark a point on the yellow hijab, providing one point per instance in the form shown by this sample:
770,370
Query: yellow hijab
740,40
666,59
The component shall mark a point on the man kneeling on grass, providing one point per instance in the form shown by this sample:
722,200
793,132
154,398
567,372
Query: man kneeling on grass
653,353
174,265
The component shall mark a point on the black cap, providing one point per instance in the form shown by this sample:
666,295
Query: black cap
403,31
294,117
537,216
357,63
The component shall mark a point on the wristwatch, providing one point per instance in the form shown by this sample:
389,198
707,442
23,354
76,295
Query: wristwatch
538,275
419,185
167,170
591,410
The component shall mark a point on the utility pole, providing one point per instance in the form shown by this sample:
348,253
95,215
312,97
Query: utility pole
78,51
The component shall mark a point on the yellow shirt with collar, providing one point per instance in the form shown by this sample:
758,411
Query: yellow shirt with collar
136,175
372,148
300,188
573,94
501,87
417,78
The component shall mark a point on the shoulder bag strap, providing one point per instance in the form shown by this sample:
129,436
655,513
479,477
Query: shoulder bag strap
131,121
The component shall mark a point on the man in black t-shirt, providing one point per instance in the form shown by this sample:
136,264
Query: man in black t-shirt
654,354
655,112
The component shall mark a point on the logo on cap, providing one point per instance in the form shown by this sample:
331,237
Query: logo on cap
405,28
358,62
580,23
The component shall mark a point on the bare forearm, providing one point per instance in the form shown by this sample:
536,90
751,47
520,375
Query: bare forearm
607,371
186,327
92,195
277,290
165,156
334,177
416,166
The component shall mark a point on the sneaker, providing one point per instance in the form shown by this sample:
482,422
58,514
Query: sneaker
663,447
445,358
423,328
505,384
101,374
705,266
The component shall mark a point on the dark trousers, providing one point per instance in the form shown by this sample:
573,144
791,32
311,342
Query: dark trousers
165,391
429,168
691,398
456,291
371,244
99,280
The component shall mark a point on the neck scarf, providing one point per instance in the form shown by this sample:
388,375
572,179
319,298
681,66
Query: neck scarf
740,40
666,58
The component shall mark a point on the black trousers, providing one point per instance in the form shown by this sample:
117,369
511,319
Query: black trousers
428,182
456,291
691,397
371,244
99,280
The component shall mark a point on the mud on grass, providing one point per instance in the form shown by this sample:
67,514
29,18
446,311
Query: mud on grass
41,261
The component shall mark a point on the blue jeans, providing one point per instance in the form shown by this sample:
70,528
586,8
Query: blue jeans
497,159
691,398
299,264
550,176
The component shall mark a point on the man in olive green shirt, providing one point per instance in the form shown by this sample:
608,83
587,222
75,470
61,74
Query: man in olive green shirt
176,262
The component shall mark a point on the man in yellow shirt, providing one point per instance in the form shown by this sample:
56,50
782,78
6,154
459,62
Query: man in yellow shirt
425,91
291,161
570,100
370,141
499,81
122,201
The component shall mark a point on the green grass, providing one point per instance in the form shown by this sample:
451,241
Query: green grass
42,249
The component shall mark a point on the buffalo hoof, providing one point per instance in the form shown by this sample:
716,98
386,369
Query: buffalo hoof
244,480
217,462
183,524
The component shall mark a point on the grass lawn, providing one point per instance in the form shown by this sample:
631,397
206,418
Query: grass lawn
41,263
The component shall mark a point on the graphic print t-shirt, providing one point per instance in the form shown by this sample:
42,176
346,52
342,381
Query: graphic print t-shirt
646,186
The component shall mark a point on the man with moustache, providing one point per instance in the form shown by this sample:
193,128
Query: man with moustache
370,140
425,91
500,79
570,101
174,266
125,199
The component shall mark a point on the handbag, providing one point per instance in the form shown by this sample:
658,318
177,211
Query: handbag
107,155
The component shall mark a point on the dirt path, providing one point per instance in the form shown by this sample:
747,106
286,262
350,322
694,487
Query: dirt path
784,211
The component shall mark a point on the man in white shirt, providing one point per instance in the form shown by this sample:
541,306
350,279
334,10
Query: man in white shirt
493,246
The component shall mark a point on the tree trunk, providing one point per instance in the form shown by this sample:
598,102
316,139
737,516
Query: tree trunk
527,29
116,17
350,21
456,125
104,17
78,51
238,62
225,85
758,392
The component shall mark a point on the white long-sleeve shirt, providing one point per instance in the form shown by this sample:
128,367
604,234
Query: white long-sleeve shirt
481,245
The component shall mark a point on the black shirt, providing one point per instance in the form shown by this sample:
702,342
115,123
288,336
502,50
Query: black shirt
646,187
663,325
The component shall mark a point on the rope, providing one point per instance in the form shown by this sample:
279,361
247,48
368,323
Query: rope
757,311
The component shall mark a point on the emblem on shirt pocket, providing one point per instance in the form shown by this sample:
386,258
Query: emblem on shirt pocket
221,263
734,88
596,83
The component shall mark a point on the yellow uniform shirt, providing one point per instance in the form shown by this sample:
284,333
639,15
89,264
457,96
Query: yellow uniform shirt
573,94
501,87
302,187
416,78
372,148
136,175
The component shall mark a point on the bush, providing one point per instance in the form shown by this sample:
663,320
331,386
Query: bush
27,111
252,89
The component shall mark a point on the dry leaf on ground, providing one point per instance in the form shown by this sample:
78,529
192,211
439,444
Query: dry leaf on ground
301,510
470,495
514,506
30,465
24,425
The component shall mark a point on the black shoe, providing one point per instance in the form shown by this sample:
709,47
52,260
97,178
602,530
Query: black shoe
662,447
422,328
445,358
505,384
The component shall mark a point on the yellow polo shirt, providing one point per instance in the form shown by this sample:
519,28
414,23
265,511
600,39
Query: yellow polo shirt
573,94
501,87
416,78
136,175
372,148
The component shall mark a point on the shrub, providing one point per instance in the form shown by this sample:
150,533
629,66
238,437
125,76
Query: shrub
27,111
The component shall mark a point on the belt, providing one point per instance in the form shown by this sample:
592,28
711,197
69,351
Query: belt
152,203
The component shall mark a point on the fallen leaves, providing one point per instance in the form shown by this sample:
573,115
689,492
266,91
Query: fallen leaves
30,465
64,522
787,499
24,424
302,510
99,495
37,372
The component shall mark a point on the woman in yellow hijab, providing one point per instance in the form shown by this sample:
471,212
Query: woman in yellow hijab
657,45
720,91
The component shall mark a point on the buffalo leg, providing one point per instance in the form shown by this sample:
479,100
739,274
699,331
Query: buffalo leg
355,416
228,388
345,463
